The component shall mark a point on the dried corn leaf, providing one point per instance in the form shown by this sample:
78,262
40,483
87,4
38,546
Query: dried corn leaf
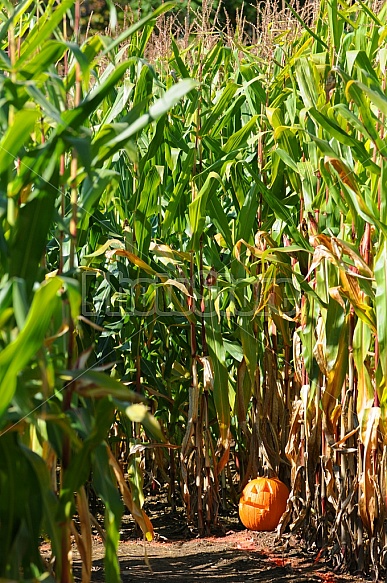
368,506
346,175
365,392
84,540
319,347
138,514
334,384
292,449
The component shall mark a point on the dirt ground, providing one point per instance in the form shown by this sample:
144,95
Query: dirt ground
236,558
232,555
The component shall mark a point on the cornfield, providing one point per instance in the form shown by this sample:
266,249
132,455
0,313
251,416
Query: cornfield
193,279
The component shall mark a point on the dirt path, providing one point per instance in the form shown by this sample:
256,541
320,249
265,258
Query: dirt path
232,555
239,556
236,558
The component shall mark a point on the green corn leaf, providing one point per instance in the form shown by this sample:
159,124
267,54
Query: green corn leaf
369,13
137,26
355,93
77,116
304,25
335,131
143,232
219,217
374,93
249,345
182,69
148,194
90,49
360,125
179,191
106,487
285,157
240,137
380,303
218,359
360,59
20,510
51,52
360,206
42,31
198,208
98,385
247,215
17,134
223,102
214,59
336,23
29,238
139,413
383,193
93,187
136,480
20,301
17,354
49,502
19,9
225,120
48,108
307,82
143,89
159,108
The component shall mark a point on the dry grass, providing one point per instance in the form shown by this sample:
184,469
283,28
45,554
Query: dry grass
274,24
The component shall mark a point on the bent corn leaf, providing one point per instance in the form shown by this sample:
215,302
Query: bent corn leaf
30,339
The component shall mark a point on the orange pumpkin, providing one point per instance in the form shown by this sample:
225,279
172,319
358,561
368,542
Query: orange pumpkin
262,503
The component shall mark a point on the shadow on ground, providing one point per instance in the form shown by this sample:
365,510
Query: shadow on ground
230,555
176,563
